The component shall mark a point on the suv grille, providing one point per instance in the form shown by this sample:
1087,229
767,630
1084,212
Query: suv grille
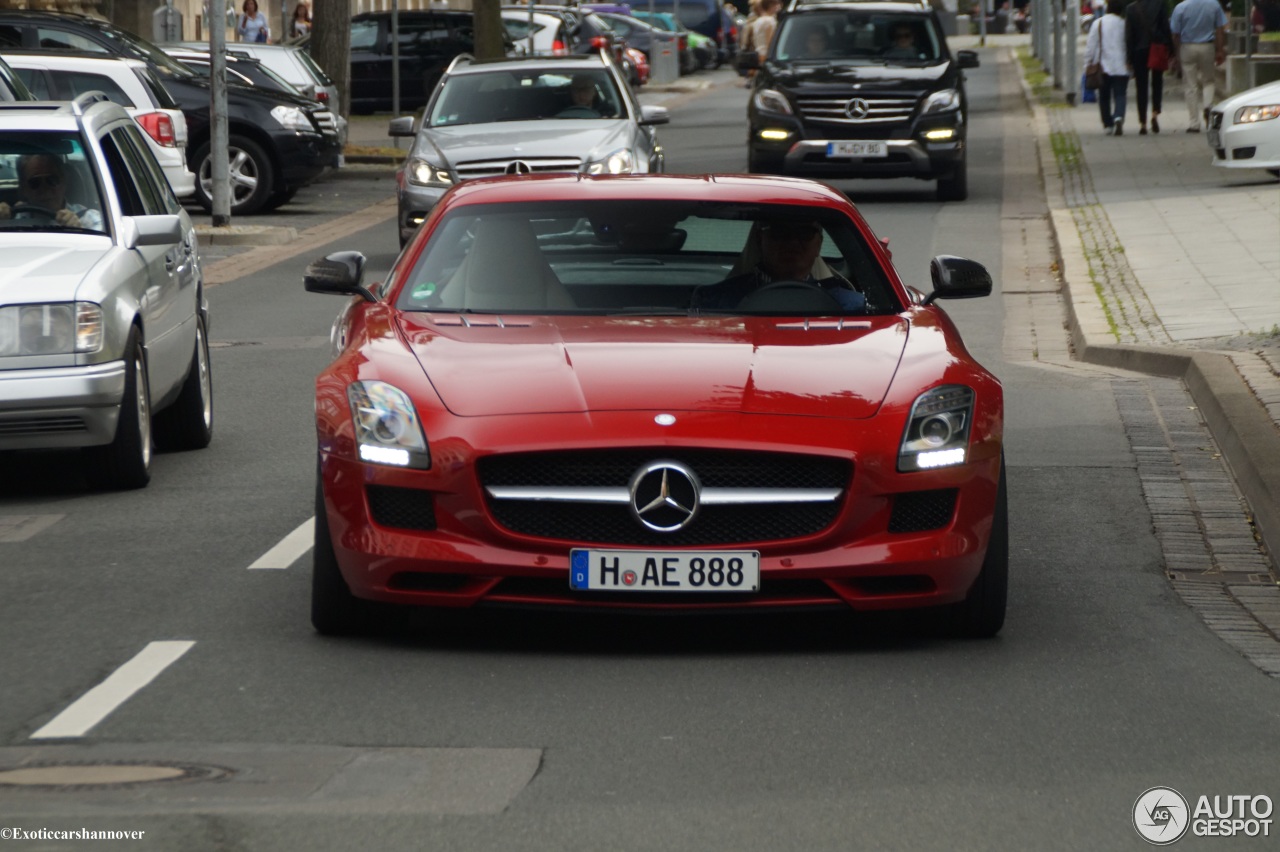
327,123
536,165
835,109
612,523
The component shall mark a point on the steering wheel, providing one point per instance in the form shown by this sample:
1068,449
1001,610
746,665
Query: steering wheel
576,111
790,295
24,208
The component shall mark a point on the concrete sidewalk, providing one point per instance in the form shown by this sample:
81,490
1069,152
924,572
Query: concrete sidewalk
1171,266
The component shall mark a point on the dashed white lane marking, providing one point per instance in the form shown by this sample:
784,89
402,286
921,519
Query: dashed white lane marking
292,546
96,704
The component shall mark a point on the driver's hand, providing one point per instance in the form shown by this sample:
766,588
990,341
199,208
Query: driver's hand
6,212
67,219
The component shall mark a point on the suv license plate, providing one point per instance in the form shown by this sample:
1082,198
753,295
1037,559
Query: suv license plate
665,571
857,149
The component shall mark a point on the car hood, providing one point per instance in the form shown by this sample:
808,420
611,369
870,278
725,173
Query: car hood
1268,93
588,140
764,365
878,77
44,268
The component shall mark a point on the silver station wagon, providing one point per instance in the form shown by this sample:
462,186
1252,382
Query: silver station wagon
524,116
103,322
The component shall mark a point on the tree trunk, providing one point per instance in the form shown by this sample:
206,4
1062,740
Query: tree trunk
488,18
331,45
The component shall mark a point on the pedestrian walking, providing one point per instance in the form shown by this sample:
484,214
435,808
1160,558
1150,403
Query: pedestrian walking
762,30
1148,42
301,24
1105,46
252,25
1199,33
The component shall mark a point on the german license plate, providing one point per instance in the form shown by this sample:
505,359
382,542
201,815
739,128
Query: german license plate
1215,139
857,149
665,571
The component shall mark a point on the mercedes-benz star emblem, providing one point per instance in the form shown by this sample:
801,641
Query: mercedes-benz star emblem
665,495
519,167
857,109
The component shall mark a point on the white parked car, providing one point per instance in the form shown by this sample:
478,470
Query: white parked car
1244,130
130,83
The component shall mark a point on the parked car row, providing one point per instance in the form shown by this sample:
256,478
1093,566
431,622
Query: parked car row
279,140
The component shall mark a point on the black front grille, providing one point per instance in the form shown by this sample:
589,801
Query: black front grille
917,511
41,426
715,525
776,592
402,508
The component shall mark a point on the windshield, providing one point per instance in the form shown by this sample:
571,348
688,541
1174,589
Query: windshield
47,184
526,95
648,257
158,59
859,37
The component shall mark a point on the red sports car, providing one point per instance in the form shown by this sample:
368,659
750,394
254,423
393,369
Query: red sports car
654,392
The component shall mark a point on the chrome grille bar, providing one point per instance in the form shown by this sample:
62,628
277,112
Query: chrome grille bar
832,109
618,495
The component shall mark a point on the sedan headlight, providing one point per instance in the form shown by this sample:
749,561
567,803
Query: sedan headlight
1251,114
941,101
771,100
292,118
54,329
620,162
387,427
422,173
938,430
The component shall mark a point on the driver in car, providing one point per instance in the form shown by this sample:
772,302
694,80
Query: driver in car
788,254
582,92
43,192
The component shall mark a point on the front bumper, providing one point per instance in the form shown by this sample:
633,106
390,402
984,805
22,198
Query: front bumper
907,158
60,407
415,204
1244,146
465,559
304,157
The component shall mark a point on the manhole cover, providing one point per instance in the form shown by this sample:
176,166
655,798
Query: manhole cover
65,775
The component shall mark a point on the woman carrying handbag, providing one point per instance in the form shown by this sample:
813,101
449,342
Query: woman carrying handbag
1105,48
252,26
1148,42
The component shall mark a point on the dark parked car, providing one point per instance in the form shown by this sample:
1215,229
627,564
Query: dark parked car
278,142
861,90
429,40
11,86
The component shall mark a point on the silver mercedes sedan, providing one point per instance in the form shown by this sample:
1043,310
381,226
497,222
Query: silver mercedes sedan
103,320
524,116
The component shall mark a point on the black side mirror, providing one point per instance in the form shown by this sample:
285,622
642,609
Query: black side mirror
748,60
957,278
341,273
967,58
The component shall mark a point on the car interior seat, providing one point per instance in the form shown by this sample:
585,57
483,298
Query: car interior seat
505,270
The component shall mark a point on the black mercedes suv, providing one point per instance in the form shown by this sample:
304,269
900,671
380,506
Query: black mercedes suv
861,90
278,142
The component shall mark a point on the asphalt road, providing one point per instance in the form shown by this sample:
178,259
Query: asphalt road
512,731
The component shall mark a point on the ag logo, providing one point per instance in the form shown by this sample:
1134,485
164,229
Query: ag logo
1161,816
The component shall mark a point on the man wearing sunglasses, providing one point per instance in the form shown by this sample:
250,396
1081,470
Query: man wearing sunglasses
42,187
781,251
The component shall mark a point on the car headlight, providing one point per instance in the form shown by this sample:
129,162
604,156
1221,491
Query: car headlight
938,430
771,100
1251,114
422,173
942,101
292,118
54,329
387,427
620,162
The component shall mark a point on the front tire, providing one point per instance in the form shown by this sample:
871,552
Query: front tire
125,463
956,187
251,173
334,610
188,423
981,614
